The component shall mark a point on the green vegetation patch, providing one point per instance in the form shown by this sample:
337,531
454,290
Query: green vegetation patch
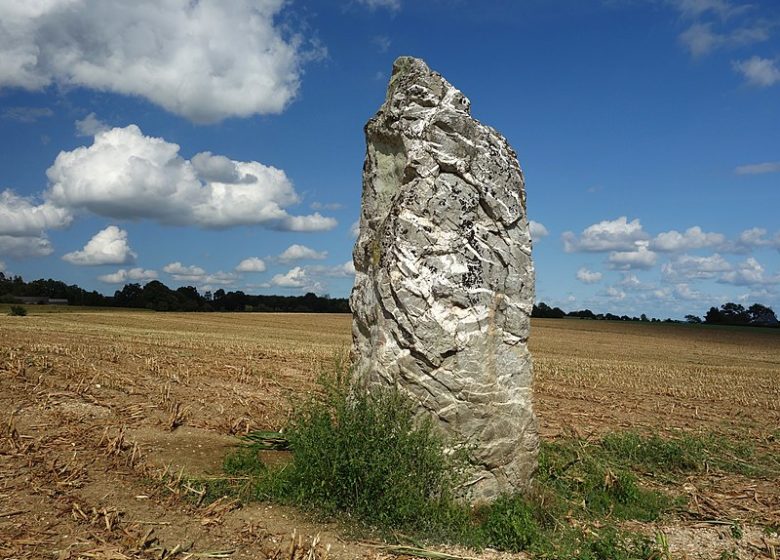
688,453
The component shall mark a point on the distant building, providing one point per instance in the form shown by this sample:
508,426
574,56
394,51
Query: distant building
41,300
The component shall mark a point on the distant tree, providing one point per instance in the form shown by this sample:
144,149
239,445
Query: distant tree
189,298
582,314
129,296
694,319
644,318
762,316
545,311
735,314
160,297
714,316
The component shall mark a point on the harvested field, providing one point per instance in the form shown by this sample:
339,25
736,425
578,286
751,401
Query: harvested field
103,411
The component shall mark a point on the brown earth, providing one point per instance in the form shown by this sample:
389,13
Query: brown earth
102,413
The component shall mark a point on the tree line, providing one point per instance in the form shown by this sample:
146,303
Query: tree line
157,296
730,313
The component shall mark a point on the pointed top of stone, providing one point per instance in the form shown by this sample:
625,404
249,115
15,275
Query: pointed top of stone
415,84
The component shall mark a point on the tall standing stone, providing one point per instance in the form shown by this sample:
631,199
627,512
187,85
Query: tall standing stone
444,280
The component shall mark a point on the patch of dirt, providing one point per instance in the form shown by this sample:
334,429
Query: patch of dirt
197,451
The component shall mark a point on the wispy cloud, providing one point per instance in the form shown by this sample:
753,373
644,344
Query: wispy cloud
696,8
392,5
26,114
382,43
758,168
700,39
759,72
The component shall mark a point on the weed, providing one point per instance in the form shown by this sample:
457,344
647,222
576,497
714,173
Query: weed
17,311
366,454
510,524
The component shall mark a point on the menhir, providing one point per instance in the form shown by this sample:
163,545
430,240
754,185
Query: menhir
444,280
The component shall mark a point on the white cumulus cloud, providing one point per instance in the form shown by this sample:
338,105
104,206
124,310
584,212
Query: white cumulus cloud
205,60
537,230
293,278
588,276
123,275
301,252
108,246
685,292
344,270
751,239
127,175
182,272
25,246
192,274
639,258
692,238
608,235
22,217
615,293
690,267
749,273
251,264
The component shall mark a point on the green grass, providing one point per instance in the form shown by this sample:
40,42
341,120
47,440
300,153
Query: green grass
364,458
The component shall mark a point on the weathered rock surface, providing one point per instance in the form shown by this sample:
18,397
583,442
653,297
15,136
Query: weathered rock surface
445,282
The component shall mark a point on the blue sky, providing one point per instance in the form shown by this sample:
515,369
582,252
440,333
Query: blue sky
220,144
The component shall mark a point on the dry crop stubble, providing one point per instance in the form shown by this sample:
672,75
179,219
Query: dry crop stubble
176,386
